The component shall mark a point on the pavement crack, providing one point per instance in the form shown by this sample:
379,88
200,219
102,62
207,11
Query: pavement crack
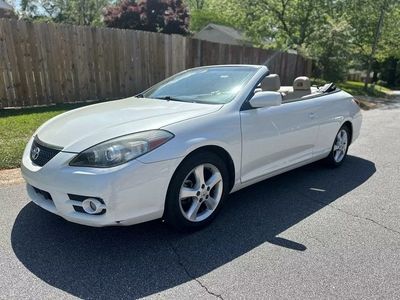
348,213
364,218
188,273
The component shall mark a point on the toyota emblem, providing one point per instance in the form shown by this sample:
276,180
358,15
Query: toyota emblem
35,152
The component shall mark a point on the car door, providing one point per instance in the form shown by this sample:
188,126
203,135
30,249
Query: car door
277,137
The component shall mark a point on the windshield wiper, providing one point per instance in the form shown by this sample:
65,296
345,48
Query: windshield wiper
169,98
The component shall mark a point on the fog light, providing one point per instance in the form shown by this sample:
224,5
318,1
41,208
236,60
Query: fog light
92,206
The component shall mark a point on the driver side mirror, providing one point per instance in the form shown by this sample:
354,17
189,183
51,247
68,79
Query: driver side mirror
264,99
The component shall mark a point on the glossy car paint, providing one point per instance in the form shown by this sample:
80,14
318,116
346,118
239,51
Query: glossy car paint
261,142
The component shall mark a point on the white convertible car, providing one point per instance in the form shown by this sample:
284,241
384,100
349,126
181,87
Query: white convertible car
178,149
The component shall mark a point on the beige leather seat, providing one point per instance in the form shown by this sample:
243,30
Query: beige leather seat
271,83
301,87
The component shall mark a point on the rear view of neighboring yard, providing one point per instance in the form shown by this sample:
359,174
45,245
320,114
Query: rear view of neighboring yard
18,125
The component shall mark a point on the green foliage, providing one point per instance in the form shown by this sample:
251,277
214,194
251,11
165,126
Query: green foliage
355,88
78,12
18,125
196,4
167,16
331,58
289,22
199,18
338,34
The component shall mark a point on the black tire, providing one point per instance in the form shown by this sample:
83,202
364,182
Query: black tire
339,148
202,202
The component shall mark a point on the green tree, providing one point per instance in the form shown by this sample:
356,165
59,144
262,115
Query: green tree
79,12
196,4
331,58
289,22
388,52
199,18
168,16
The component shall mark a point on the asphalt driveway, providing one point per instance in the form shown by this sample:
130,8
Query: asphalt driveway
313,233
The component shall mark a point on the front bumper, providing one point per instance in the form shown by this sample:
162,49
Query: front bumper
132,193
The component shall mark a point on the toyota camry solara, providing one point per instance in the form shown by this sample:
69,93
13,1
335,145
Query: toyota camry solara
178,149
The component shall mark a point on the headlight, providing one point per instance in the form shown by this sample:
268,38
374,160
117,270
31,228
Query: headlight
122,149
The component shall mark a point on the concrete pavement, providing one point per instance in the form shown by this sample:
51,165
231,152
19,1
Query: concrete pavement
313,233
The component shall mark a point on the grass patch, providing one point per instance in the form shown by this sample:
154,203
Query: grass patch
356,88
18,125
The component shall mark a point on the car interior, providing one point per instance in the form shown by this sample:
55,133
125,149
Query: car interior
301,88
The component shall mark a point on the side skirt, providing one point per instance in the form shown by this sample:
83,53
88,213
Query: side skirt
241,185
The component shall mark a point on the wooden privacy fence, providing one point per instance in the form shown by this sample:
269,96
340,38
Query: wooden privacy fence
45,63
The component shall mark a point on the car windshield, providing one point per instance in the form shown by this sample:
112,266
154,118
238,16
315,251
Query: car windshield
214,85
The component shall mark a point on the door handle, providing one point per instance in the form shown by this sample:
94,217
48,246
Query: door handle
312,115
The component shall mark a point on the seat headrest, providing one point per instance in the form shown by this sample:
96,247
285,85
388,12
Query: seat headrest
301,83
271,83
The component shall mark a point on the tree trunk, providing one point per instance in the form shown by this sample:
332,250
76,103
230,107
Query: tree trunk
372,57
391,80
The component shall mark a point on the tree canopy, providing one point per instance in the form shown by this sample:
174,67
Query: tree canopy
79,12
336,34
168,16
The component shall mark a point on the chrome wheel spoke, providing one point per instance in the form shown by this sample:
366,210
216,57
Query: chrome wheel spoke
214,179
211,203
199,175
187,193
343,138
203,184
193,210
337,154
340,146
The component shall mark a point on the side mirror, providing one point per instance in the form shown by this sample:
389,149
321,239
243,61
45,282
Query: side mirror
264,99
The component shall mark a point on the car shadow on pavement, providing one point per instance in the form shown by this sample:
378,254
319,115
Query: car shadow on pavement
137,261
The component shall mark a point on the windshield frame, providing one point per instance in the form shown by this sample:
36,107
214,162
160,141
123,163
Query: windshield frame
177,78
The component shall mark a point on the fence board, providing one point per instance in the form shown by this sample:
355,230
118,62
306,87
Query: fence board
55,63
106,61
74,55
41,63
60,66
22,88
27,71
128,64
102,75
120,54
3,91
83,64
113,64
13,66
34,56
7,95
47,57
168,55
67,67
88,49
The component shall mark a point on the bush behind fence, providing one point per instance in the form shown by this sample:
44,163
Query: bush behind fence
45,63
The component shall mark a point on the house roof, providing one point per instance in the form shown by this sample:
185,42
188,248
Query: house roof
4,5
232,32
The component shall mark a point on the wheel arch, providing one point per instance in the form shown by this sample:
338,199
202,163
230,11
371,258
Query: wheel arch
350,127
211,149
223,154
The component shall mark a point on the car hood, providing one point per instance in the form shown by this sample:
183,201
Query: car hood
79,129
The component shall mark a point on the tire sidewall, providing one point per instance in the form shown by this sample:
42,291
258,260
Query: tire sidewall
331,157
173,215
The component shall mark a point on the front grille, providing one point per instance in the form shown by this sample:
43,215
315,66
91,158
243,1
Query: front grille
41,155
